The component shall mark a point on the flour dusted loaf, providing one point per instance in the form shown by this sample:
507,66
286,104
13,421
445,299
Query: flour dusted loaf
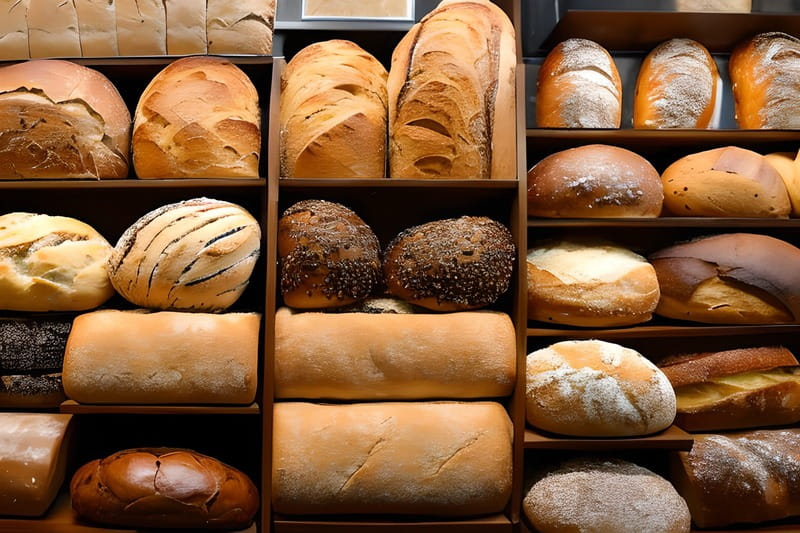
137,357
452,95
198,118
243,27
333,113
441,458
163,488
596,389
192,255
396,356
61,120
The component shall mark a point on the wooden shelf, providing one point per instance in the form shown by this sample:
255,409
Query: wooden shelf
73,407
673,136
133,183
394,183
488,524
672,438
700,330
665,222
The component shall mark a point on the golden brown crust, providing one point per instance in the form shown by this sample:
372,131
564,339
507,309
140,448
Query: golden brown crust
686,369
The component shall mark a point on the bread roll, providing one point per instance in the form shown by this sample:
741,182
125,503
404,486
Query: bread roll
440,459
578,87
243,27
589,283
163,488
596,389
363,356
33,461
194,255
141,27
329,257
52,29
735,278
452,111
748,477
97,22
594,181
765,79
14,30
725,182
603,495
32,390
198,118
788,167
333,113
452,264
678,87
33,343
61,120
136,357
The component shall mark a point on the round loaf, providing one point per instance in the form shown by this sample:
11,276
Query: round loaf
61,120
451,265
594,181
596,389
51,263
578,87
725,182
198,118
163,488
194,255
329,257
595,495
678,87
589,283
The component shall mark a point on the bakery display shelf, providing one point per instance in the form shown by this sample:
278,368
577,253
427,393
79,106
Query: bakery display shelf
300,183
672,136
664,222
656,331
134,183
672,438
496,523
73,407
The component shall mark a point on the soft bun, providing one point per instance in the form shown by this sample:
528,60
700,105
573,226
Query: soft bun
594,181
596,389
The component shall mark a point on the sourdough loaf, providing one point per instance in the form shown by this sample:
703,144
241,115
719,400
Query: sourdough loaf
186,27
243,27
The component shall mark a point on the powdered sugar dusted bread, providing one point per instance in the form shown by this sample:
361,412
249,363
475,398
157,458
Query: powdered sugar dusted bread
596,389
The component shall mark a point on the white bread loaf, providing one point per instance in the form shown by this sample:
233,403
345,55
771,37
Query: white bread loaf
186,27
97,24
333,113
51,264
365,356
452,111
442,459
243,27
596,389
61,120
33,461
198,118
53,29
193,255
141,27
136,357
14,30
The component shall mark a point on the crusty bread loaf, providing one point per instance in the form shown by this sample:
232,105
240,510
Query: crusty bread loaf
14,30
589,283
364,356
198,118
788,166
725,182
141,27
442,458
61,120
452,95
33,461
747,477
52,29
97,27
594,181
590,494
33,390
243,27
734,278
578,87
596,389
136,357
678,86
51,263
193,255
163,488
765,79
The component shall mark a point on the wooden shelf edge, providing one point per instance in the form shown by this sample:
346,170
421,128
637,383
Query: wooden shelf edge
136,183
672,438
699,330
488,524
299,183
664,222
73,407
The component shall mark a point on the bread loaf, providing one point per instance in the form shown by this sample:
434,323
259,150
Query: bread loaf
590,494
678,87
97,21
596,389
61,120
725,182
788,167
243,27
141,27
441,459
186,27
135,357
33,343
198,118
33,390
193,255
333,113
452,95
578,87
735,278
51,264
363,356
14,30
33,461
163,488
52,29
594,181
747,477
